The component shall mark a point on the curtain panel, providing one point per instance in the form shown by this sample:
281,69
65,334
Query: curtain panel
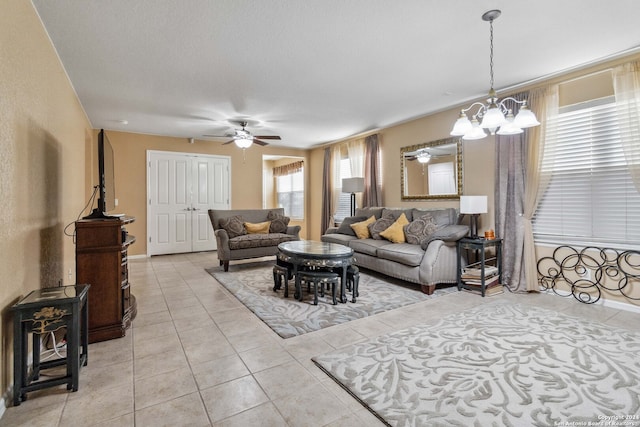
372,195
626,86
326,219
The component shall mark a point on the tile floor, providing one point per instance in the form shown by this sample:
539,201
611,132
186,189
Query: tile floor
195,356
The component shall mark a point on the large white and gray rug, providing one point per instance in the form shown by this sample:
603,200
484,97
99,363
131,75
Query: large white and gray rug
496,365
253,286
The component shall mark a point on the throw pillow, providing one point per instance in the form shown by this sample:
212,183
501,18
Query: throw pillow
279,222
420,229
379,226
361,228
257,228
395,232
345,225
233,225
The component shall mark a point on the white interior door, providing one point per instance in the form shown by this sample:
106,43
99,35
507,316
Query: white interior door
441,179
181,188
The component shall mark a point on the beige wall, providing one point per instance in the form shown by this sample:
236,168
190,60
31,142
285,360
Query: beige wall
43,134
130,154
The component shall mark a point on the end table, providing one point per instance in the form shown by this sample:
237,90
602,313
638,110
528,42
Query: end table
43,311
479,245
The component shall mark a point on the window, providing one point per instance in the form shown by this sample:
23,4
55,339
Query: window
290,192
591,198
344,202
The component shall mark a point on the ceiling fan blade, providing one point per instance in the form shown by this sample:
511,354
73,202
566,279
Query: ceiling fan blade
267,136
217,136
228,142
257,141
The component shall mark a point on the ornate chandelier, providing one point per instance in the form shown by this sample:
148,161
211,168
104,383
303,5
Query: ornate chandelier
495,115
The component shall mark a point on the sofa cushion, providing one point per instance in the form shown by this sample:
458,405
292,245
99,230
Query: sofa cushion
395,213
345,226
342,239
257,228
379,226
233,225
395,232
375,211
279,222
404,253
368,246
361,228
420,229
248,241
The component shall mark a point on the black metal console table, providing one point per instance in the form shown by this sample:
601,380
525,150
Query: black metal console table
41,312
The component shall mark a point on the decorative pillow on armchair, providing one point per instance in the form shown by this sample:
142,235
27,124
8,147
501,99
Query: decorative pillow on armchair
279,222
419,230
233,225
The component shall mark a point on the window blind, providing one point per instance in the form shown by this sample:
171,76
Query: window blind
290,193
591,198
343,209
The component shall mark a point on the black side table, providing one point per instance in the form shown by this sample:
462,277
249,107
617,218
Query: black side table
43,311
480,245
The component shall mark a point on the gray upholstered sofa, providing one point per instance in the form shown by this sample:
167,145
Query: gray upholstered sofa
428,261
235,243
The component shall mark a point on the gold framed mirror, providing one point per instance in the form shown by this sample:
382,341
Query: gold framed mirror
431,170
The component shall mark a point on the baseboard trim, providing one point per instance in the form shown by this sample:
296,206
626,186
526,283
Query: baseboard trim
609,304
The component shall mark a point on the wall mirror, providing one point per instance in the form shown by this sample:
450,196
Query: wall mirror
432,170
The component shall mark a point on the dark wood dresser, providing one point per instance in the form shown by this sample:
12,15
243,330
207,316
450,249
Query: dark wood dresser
102,262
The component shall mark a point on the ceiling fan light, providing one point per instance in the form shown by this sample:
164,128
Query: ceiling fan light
525,118
461,126
243,142
424,158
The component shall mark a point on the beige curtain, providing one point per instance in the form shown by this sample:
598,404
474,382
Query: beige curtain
355,151
372,195
540,145
336,183
327,209
626,85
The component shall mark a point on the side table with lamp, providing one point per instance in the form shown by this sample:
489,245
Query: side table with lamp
353,186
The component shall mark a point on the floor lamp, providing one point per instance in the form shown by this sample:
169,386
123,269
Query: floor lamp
474,206
353,186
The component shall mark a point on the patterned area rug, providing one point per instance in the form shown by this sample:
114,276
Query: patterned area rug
253,286
502,365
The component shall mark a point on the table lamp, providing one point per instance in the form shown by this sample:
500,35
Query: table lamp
353,186
474,206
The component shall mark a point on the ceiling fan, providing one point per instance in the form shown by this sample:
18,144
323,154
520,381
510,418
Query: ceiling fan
243,138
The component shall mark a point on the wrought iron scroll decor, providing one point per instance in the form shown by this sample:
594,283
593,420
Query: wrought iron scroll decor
590,271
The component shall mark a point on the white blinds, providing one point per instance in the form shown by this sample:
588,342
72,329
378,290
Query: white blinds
591,198
290,192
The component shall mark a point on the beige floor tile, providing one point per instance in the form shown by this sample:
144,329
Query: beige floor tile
102,378
218,371
342,336
32,415
311,406
261,358
233,397
169,360
164,387
153,331
187,410
254,339
201,352
265,415
97,406
142,320
151,346
126,420
200,319
283,380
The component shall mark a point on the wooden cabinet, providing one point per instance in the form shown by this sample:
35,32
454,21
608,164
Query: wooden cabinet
102,262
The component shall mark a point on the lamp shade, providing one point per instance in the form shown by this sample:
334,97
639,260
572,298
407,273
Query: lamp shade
352,185
473,204
243,142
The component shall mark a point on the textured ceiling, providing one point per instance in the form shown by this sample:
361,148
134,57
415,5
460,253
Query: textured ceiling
314,71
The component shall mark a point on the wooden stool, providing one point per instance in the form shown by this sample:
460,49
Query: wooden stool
280,273
353,280
317,279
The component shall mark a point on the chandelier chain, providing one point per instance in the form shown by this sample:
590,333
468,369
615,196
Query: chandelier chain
491,51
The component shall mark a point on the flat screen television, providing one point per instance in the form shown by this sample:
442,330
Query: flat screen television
106,179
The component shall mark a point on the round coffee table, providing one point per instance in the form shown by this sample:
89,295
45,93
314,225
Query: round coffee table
309,253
